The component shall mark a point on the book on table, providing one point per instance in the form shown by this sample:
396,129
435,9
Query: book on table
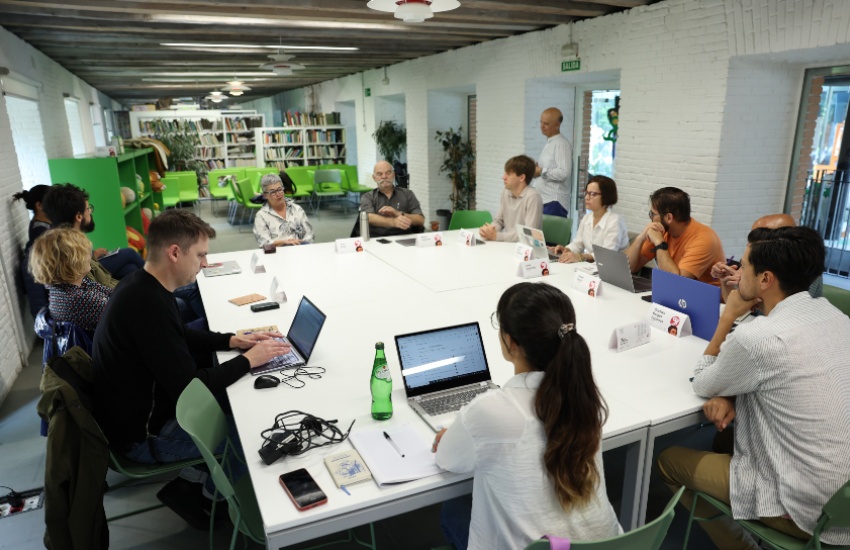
395,454
347,468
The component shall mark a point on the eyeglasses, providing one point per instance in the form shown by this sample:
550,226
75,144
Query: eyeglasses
275,191
592,194
652,215
494,320
90,208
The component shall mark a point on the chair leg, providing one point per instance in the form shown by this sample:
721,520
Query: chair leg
690,522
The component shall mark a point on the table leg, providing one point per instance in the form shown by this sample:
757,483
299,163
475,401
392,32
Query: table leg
635,443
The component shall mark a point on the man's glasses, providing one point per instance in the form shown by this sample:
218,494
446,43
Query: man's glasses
652,215
90,208
592,194
277,191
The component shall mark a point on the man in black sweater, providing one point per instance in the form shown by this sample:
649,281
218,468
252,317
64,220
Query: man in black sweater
144,356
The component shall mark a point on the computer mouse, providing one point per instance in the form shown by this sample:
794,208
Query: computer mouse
266,381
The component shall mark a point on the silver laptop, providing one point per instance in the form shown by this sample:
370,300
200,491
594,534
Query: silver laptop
302,336
443,369
535,239
223,268
614,269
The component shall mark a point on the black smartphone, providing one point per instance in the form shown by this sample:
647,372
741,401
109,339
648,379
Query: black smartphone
264,306
647,298
302,489
384,241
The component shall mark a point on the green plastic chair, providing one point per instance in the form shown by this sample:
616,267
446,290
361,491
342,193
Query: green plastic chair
302,177
243,195
256,174
648,537
835,513
469,219
188,187
838,297
171,191
218,193
326,184
557,230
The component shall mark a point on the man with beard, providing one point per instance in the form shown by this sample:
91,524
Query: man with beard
678,243
392,210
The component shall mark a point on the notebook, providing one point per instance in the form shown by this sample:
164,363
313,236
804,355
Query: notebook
443,369
699,300
223,268
614,269
535,239
302,336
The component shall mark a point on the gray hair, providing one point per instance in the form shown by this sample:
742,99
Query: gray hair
269,180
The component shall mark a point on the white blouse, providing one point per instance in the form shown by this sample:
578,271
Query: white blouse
609,233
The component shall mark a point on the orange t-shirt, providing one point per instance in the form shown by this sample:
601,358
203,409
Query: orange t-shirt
694,251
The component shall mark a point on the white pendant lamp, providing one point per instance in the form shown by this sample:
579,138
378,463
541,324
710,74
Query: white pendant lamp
216,97
236,87
413,11
281,65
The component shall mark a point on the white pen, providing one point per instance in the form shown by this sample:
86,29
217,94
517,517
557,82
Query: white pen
387,436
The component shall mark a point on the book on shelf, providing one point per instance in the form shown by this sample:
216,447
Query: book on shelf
311,119
347,468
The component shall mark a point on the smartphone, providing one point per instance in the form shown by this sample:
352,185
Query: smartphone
383,241
647,298
265,306
302,489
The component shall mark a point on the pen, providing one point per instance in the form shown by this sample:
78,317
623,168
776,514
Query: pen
344,490
387,436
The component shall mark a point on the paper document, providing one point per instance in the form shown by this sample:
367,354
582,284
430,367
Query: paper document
386,463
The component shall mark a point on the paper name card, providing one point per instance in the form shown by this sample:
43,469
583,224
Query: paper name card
523,252
587,284
669,320
467,237
429,239
276,293
630,336
256,265
345,246
532,269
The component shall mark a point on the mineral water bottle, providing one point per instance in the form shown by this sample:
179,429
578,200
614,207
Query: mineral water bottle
381,386
364,226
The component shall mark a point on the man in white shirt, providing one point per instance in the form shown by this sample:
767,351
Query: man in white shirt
554,167
519,204
785,378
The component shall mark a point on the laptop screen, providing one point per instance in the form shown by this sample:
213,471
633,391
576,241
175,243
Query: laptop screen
442,359
306,327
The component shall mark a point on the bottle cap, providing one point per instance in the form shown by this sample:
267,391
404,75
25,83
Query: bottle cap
379,345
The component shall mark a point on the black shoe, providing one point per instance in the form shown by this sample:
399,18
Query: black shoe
185,499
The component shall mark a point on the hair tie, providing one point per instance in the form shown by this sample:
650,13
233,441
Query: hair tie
565,328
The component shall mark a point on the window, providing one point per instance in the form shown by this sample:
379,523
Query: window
75,126
97,125
110,131
28,137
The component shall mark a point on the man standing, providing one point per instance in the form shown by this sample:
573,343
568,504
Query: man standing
519,204
785,379
678,243
392,210
554,168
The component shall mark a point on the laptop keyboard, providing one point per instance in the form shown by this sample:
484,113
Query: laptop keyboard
282,361
449,403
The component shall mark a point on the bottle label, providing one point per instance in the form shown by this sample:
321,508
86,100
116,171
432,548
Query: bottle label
383,373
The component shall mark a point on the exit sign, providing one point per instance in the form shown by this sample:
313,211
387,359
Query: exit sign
368,92
572,65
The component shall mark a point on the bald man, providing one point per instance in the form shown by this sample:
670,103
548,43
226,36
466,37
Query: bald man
392,210
554,167
728,275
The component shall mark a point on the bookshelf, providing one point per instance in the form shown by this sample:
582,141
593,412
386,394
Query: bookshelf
288,146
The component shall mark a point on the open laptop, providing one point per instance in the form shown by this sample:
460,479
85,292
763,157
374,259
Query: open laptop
701,301
614,269
302,336
535,239
443,369
223,268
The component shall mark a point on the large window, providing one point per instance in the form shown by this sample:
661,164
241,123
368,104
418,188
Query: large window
28,137
603,134
75,126
97,125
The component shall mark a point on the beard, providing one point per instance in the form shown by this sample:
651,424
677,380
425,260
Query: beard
87,227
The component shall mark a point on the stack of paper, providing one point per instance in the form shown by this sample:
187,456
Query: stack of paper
384,457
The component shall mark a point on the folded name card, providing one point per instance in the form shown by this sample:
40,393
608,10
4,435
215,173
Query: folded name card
673,322
630,336
256,265
467,237
523,252
587,284
533,268
429,239
344,246
276,293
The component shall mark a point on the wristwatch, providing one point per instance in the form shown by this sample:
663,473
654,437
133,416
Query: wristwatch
661,246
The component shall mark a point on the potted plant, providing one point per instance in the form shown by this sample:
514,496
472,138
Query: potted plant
182,146
391,139
459,164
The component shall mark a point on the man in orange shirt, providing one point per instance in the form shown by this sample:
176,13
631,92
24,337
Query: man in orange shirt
678,243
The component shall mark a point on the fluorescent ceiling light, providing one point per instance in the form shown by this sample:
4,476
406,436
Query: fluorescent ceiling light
268,76
272,47
269,22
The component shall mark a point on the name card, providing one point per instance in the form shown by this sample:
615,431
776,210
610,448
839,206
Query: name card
587,284
345,246
467,237
429,239
523,252
256,265
669,320
533,268
276,293
630,336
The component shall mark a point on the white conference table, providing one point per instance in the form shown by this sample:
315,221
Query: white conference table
368,299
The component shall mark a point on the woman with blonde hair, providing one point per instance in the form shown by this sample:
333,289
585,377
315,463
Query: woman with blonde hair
60,259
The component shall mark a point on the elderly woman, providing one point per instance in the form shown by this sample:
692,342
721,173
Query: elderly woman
60,260
280,222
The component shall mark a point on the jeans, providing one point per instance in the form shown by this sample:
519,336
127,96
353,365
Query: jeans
122,263
554,208
191,295
455,517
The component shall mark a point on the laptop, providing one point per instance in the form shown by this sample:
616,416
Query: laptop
223,268
302,336
614,269
534,238
443,369
701,301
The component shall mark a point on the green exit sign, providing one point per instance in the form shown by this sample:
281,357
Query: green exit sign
572,65
368,92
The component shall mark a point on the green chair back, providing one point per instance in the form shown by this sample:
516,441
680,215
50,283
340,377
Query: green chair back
838,297
648,537
327,181
302,177
188,186
256,174
171,192
201,416
557,230
469,219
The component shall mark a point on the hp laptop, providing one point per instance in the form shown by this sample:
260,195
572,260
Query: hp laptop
699,300
614,269
534,238
302,336
443,369
224,268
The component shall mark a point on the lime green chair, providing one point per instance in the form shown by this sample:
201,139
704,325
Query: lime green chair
188,187
835,513
256,174
648,537
469,219
838,297
557,230
218,192
327,184
171,191
350,180
302,177
243,195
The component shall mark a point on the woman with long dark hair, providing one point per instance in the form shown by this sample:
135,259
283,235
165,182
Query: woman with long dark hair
535,444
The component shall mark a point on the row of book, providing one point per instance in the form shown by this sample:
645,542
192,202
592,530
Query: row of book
327,151
209,139
333,136
207,152
240,123
311,119
281,165
164,126
277,154
282,138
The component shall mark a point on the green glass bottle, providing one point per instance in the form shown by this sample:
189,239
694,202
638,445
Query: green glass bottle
381,386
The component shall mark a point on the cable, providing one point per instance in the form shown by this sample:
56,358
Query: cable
290,378
296,432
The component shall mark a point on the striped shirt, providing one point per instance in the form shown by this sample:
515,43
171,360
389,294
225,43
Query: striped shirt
556,164
790,371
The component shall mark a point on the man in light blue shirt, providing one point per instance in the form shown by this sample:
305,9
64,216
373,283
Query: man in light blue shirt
554,167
